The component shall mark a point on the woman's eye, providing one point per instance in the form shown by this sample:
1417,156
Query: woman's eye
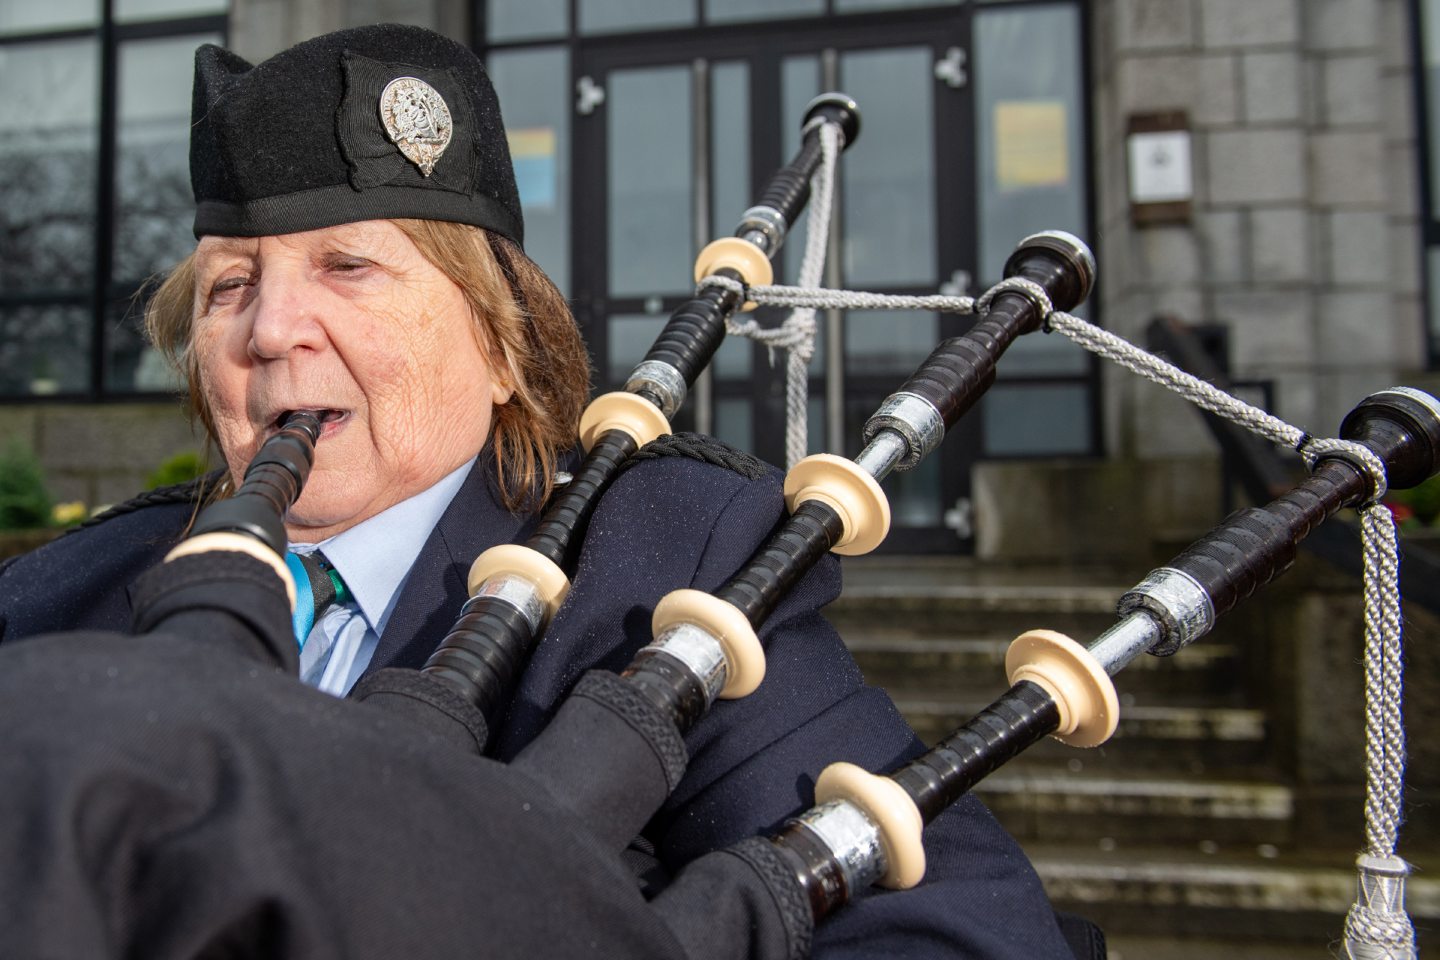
227,286
341,264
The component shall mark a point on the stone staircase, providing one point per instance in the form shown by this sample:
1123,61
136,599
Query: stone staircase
1178,837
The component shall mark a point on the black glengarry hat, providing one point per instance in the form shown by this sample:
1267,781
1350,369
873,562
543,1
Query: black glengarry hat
373,123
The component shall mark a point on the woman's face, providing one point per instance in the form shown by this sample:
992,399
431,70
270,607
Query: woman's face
355,322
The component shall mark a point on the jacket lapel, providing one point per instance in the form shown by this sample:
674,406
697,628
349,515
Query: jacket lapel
434,589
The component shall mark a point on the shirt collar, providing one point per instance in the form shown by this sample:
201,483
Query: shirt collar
373,557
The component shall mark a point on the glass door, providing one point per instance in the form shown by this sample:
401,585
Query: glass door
673,137
675,132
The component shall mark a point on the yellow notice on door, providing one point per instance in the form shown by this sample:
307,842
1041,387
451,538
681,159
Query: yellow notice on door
532,154
1030,144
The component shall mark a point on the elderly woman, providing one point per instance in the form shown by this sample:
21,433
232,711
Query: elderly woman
360,256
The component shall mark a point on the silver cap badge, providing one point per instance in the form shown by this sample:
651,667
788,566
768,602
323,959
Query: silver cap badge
416,120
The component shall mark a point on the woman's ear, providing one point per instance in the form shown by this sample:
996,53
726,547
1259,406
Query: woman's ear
501,392
502,378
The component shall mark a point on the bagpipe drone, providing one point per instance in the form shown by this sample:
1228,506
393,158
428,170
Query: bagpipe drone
539,840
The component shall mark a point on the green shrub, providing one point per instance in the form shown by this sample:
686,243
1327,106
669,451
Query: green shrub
24,501
177,469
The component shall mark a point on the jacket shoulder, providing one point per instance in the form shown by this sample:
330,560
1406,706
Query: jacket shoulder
79,580
700,448
688,502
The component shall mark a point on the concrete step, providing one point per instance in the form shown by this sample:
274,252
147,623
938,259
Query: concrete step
1138,947
915,665
1143,897
1058,806
1195,740
962,595
961,609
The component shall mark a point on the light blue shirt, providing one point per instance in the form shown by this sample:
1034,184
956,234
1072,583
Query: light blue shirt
374,559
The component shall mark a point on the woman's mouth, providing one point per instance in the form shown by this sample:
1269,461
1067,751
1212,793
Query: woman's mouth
331,420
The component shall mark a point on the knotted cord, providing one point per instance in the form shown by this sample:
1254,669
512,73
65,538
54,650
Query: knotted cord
797,332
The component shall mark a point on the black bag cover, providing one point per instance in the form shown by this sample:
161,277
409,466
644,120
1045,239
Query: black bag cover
180,794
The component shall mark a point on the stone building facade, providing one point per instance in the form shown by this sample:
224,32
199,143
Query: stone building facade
1304,237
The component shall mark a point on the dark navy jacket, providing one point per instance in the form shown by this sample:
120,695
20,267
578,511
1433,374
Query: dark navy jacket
665,524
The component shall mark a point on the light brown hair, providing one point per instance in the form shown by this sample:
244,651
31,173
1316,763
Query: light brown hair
522,322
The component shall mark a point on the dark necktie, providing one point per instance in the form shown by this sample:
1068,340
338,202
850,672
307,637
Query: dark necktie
317,586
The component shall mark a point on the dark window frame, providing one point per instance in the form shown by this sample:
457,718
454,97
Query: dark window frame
105,291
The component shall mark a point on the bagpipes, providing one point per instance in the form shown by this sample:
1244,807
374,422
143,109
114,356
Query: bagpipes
530,850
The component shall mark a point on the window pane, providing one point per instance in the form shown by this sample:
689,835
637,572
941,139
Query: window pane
533,89
853,6
44,350
730,190
652,224
885,341
915,495
1042,354
630,337
47,165
131,364
158,9
1031,157
730,11
27,16
611,16
799,83
1036,419
732,423
525,19
889,182
815,420
732,361
154,205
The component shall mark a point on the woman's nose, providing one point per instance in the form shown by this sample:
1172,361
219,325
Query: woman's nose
285,315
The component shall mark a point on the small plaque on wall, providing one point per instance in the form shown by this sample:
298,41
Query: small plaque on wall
1157,148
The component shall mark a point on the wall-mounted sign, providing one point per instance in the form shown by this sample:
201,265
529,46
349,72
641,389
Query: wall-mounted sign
1157,149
